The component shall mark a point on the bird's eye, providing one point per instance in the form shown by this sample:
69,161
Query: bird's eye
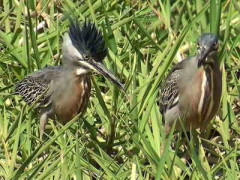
198,46
86,57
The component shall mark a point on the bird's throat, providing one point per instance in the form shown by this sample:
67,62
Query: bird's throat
81,71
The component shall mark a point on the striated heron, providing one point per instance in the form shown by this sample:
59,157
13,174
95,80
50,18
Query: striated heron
192,90
64,91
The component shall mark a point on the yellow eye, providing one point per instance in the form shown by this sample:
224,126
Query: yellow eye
86,57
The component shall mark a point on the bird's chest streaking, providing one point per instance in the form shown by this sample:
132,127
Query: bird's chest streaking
74,99
205,103
199,97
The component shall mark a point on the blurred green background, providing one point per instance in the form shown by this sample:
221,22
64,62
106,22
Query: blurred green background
118,138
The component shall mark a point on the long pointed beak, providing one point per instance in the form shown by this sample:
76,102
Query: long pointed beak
102,70
202,56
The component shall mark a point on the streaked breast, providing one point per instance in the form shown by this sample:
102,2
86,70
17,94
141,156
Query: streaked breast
74,100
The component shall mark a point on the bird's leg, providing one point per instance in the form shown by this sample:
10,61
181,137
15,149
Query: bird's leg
43,122
44,115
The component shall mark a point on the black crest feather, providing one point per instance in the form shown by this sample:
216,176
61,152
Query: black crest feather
88,40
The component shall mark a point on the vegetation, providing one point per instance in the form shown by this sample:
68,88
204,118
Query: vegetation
118,138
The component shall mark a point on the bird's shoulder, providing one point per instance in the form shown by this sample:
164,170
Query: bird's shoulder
169,89
32,86
47,72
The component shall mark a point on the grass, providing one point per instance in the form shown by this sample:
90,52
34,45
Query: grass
118,138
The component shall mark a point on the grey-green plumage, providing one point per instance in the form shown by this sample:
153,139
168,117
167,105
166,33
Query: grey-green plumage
64,91
32,87
192,90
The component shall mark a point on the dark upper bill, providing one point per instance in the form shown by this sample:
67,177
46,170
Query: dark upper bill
100,69
205,52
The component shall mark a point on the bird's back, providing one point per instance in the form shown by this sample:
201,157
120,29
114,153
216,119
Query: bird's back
169,89
34,86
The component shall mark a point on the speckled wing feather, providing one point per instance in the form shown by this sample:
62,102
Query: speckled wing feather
169,90
32,87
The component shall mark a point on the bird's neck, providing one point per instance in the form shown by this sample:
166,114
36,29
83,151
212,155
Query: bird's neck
75,70
211,62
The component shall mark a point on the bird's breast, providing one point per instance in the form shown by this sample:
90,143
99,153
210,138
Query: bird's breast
189,102
73,99
210,94
199,103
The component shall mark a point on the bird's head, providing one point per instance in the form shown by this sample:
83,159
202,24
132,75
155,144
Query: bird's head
207,49
84,48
